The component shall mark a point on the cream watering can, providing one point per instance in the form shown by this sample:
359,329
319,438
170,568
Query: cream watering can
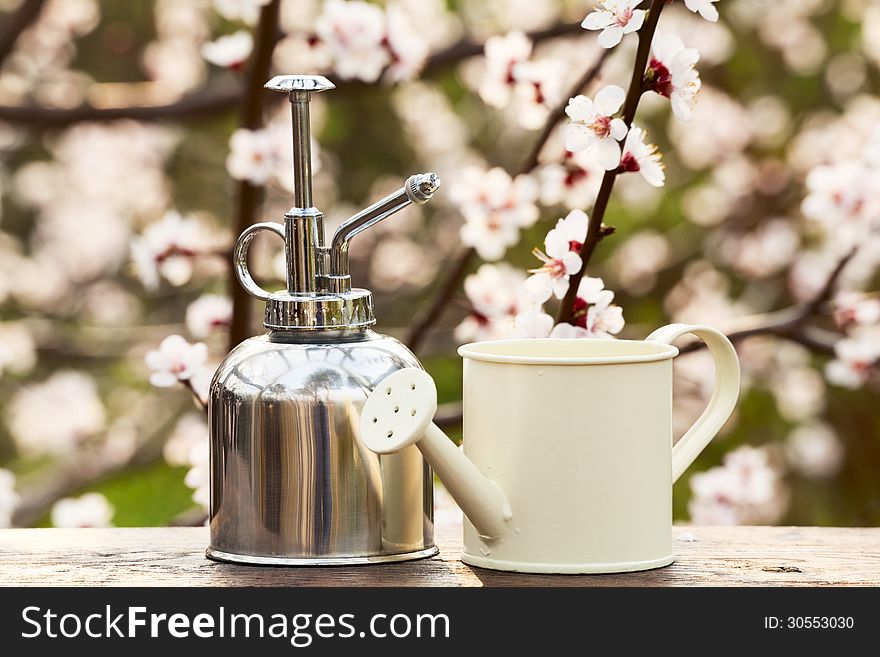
568,462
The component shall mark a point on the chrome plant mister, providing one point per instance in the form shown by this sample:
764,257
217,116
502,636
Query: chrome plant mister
291,481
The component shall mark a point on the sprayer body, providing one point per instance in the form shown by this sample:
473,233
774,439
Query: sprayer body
291,482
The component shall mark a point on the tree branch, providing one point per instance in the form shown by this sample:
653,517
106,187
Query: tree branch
22,19
207,102
249,196
438,303
193,106
630,105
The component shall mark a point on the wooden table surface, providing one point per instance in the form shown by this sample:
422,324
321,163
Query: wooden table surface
706,556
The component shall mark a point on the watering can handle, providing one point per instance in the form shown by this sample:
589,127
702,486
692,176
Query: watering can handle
724,394
239,257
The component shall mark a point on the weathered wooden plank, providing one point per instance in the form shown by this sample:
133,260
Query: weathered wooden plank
720,556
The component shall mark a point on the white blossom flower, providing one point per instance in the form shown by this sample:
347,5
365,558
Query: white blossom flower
594,316
534,323
191,429
496,295
17,350
167,249
844,199
229,51
538,87
495,207
356,32
638,155
89,510
36,423
854,356
9,497
247,11
573,182
593,126
254,155
615,18
175,360
208,313
407,47
302,52
199,475
745,490
815,451
561,258
503,54
704,8
799,391
852,308
671,73
763,252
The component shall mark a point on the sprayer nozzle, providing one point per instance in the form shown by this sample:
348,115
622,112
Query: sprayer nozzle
421,187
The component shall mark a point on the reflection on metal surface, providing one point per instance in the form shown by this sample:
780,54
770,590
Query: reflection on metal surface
290,480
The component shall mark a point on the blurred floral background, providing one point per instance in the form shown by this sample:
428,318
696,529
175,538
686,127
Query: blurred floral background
137,142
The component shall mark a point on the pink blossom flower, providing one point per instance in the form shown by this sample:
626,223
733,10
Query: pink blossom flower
496,295
495,207
89,510
615,18
356,34
854,357
561,258
592,125
746,489
175,360
207,314
704,8
671,73
638,155
229,51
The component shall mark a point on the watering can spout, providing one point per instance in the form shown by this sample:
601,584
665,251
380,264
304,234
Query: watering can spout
398,414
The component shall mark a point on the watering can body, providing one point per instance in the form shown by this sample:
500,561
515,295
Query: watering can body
568,460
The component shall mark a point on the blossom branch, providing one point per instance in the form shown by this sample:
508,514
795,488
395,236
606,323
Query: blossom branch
791,323
249,196
630,105
212,101
434,311
467,48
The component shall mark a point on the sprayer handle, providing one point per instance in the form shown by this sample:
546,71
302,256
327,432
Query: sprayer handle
239,257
